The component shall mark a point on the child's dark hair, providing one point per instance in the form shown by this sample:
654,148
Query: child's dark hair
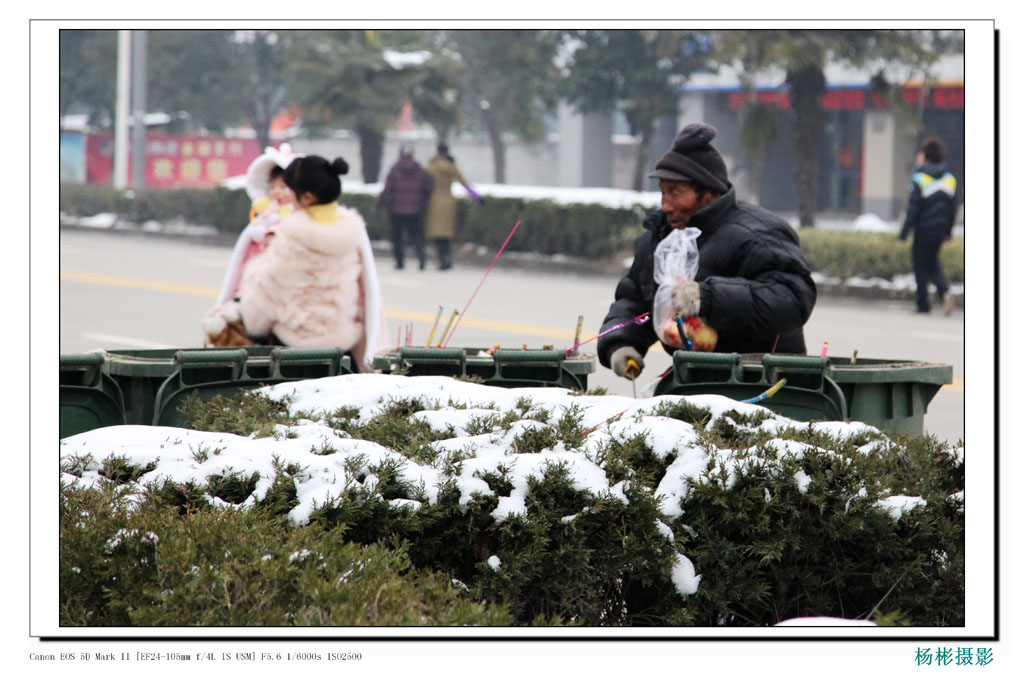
316,175
934,150
276,172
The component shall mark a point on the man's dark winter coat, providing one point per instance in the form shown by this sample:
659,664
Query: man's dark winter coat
930,213
754,282
932,204
407,188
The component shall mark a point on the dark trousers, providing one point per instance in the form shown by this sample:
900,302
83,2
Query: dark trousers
444,252
414,226
925,252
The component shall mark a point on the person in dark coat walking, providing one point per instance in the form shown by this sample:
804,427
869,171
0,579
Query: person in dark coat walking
752,285
406,195
930,213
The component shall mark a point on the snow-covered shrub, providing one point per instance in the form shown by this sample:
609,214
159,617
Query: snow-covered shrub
792,534
680,511
238,568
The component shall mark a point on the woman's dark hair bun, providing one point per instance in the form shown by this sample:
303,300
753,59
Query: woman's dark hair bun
340,166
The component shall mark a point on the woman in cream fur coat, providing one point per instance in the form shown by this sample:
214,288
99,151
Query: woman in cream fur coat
316,283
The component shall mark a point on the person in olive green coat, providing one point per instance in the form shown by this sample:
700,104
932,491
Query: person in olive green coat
441,210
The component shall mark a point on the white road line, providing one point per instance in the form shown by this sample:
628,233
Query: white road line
125,340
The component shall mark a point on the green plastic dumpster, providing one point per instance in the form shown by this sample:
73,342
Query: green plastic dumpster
503,368
147,387
89,397
890,395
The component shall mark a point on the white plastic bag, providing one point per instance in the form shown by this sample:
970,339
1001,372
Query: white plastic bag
675,261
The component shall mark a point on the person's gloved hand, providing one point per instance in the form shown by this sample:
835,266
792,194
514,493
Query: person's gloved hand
686,299
621,363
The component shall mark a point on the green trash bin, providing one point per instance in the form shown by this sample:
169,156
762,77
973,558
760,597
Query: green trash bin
89,397
147,387
890,395
504,368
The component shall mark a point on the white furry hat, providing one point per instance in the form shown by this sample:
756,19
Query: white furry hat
257,178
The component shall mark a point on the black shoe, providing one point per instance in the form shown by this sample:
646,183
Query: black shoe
399,266
446,267
919,311
423,265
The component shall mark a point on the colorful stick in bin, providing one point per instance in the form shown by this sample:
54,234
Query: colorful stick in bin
767,393
576,341
441,342
430,338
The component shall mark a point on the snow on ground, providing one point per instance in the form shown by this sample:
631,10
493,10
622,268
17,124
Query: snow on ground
327,457
609,197
615,198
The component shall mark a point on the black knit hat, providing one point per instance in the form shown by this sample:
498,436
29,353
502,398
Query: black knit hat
692,158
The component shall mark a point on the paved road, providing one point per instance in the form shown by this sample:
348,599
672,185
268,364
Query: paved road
130,292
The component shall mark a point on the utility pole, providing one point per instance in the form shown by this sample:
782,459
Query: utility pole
121,115
139,84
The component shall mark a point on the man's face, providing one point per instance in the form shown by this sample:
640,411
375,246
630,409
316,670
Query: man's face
680,201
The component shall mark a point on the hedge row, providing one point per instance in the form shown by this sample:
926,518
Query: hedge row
588,231
872,254
783,522
224,209
164,565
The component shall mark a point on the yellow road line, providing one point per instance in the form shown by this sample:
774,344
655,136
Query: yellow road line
210,292
105,280
502,327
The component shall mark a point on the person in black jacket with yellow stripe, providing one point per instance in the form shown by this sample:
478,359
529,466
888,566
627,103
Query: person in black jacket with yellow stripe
930,213
752,286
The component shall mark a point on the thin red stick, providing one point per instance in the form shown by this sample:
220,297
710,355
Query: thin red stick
462,314
591,429
639,319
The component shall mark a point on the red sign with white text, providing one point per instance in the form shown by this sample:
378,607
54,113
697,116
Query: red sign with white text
176,161
945,98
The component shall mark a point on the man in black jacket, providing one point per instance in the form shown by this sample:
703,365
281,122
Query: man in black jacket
752,284
930,213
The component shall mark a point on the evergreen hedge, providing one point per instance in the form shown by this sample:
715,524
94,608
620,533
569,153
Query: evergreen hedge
774,533
589,231
169,562
844,254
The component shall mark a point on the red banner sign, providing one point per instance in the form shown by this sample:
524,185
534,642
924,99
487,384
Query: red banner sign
176,161
945,98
